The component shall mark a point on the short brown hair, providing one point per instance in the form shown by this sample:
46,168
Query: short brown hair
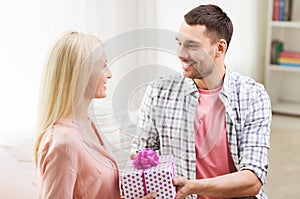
217,23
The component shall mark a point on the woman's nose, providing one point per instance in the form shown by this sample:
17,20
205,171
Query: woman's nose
109,74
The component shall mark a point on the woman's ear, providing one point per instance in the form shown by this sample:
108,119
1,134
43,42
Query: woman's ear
221,47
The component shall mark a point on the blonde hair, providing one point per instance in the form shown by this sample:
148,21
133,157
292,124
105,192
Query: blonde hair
64,80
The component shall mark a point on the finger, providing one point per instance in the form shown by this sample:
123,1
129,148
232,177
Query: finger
175,181
149,196
179,181
132,156
179,196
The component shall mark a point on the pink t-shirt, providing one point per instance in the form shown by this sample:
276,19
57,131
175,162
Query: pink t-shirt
212,150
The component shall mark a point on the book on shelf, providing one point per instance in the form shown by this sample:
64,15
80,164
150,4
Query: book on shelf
290,54
288,60
287,16
276,10
282,10
289,65
276,48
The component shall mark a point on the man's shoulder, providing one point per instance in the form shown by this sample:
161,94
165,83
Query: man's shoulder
244,83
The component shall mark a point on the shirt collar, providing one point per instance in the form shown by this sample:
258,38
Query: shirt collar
227,84
190,86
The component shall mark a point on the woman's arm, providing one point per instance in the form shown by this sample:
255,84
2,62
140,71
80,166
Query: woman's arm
58,174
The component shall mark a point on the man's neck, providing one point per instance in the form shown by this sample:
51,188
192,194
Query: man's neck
213,81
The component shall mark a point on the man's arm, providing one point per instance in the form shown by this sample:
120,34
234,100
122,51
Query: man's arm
147,136
254,139
239,184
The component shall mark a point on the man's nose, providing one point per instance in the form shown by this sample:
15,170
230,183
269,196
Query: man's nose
182,52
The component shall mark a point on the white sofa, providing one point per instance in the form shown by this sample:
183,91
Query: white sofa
17,169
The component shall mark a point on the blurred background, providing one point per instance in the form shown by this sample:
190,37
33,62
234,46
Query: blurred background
29,28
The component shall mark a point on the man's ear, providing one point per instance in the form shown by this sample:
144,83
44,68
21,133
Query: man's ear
221,47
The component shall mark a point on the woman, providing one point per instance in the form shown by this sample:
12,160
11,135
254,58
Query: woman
71,157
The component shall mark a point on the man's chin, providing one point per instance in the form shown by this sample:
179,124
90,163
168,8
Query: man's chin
191,75
187,74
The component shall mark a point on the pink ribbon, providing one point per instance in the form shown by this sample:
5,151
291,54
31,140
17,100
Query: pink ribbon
145,160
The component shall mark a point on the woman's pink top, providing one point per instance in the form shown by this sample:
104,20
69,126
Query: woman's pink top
70,167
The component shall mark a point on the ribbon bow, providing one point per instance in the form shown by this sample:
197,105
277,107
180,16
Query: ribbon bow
146,159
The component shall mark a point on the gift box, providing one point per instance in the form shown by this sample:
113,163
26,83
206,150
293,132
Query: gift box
138,182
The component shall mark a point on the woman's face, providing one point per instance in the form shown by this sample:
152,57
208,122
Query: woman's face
105,74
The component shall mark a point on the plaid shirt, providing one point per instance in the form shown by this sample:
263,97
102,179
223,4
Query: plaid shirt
166,123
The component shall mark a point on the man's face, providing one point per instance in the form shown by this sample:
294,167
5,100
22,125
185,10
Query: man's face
195,51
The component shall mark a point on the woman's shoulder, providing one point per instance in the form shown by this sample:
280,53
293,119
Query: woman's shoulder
59,146
60,136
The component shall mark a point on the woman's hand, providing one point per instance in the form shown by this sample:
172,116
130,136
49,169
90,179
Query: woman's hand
149,196
132,156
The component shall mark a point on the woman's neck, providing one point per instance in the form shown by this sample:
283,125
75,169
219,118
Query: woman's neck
79,113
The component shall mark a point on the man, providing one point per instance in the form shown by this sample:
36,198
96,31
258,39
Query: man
216,123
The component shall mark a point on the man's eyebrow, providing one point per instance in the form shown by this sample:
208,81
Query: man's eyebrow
189,41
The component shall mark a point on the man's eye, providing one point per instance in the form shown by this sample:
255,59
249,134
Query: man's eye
191,46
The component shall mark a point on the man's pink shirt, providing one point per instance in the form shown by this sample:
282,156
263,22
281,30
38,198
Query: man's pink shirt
211,143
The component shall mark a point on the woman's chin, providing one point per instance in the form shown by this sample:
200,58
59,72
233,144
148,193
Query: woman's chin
99,96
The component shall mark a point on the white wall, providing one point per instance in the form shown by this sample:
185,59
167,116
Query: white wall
19,64
249,17
29,27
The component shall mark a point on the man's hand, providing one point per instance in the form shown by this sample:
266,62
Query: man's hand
183,187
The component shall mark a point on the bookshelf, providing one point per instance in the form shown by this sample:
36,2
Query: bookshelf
283,82
285,24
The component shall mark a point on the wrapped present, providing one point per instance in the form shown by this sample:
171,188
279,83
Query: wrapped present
149,173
